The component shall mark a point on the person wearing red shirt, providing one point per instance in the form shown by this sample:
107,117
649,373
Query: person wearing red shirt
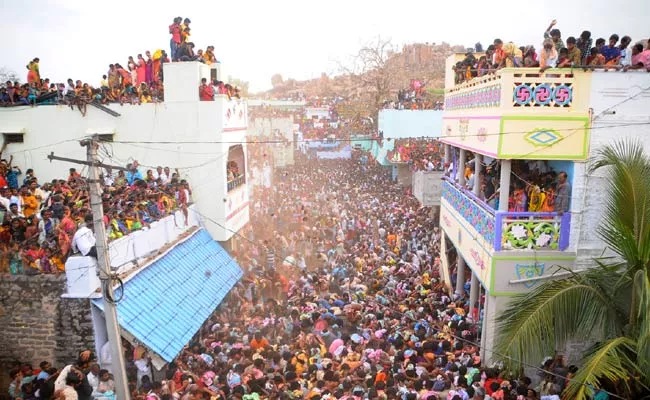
205,91
175,41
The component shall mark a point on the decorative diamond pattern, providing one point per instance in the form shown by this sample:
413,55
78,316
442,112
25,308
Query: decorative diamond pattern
543,137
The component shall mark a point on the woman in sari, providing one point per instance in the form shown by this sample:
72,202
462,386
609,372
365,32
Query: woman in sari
35,70
141,69
113,77
31,75
126,75
66,230
157,59
148,75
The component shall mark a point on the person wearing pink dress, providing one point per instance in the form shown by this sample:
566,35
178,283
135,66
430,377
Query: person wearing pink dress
149,68
142,69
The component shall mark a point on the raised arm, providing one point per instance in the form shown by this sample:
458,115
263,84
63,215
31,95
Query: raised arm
553,23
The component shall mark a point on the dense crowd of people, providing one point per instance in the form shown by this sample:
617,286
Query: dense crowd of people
267,111
43,224
421,154
341,299
208,91
578,52
414,98
139,82
534,185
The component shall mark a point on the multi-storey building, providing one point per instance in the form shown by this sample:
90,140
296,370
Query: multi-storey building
200,138
521,119
164,265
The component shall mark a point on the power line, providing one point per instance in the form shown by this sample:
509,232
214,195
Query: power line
48,145
351,140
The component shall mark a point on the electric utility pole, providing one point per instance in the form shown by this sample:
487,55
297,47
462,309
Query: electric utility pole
103,261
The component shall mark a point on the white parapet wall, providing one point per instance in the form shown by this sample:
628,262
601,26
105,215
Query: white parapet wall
427,187
126,252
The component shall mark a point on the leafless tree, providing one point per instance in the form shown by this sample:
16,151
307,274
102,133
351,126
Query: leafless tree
7,75
372,73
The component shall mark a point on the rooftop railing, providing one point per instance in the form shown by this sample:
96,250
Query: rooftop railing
521,88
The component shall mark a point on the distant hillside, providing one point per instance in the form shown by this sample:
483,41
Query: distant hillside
422,61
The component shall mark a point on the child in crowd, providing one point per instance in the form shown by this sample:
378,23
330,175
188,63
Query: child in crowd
564,61
595,59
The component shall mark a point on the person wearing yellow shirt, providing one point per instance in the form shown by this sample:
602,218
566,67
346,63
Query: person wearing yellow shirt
209,56
30,202
185,30
537,198
145,97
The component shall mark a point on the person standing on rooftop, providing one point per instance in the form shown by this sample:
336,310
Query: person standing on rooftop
175,41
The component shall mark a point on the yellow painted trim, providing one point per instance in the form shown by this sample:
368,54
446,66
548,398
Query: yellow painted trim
533,155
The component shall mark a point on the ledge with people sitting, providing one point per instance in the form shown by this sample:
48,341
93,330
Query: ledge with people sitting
140,82
421,154
44,224
615,54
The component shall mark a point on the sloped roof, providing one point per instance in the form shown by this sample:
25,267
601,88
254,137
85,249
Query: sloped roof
166,303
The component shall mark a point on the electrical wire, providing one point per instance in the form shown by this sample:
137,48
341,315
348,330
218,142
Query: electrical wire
236,233
351,140
47,145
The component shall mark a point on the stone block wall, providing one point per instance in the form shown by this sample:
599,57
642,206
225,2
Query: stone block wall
36,324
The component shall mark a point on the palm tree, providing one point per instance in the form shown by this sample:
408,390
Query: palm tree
609,303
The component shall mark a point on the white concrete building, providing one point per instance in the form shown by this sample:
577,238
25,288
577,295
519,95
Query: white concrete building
199,138
558,119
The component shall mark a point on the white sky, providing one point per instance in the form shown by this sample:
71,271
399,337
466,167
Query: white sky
299,39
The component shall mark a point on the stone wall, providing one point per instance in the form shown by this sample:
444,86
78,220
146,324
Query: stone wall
36,324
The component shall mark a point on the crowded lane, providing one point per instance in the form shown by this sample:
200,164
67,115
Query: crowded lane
342,298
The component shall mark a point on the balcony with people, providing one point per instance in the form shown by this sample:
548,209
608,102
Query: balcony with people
235,168
47,225
533,214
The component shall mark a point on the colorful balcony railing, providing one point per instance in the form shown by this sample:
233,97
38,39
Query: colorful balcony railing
507,231
471,208
532,231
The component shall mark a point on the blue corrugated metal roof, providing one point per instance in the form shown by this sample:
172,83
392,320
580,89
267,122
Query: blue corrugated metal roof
165,304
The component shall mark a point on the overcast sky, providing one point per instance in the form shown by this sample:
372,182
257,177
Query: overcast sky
299,39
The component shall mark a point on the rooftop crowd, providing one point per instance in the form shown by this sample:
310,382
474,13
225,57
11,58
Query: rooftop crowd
43,224
421,154
138,82
414,98
619,53
341,299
